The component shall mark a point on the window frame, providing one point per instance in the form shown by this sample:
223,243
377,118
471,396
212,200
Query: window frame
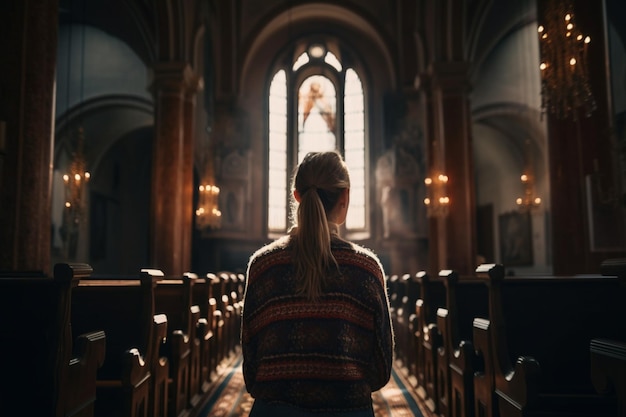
294,79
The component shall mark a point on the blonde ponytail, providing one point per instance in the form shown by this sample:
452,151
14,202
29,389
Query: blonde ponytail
320,179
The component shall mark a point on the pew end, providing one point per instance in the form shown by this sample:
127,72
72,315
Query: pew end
47,371
539,330
608,371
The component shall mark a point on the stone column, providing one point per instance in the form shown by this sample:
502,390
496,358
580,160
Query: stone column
194,84
28,40
455,235
172,172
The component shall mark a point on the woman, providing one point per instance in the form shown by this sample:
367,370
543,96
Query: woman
316,334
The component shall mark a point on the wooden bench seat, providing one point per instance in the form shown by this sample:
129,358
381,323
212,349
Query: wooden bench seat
230,304
123,306
466,299
538,334
217,323
173,297
431,297
218,320
412,295
404,291
394,291
44,372
201,296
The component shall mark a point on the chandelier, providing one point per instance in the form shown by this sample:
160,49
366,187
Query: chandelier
208,214
75,181
437,201
563,47
77,177
529,200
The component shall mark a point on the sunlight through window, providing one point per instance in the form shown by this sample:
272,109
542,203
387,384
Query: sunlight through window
277,190
316,126
354,148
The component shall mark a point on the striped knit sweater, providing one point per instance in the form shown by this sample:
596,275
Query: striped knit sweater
325,355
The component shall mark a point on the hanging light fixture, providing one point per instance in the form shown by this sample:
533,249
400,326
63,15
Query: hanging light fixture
565,84
208,214
529,200
437,201
76,179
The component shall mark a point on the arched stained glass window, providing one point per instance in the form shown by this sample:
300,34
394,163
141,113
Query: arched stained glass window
329,114
317,111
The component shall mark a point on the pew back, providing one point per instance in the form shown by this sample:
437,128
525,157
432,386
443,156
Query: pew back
36,343
540,330
553,319
123,306
466,299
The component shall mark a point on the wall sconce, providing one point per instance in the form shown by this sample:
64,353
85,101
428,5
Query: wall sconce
208,214
437,201
529,200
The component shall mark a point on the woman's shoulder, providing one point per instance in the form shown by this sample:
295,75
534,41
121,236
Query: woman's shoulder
272,250
278,244
359,256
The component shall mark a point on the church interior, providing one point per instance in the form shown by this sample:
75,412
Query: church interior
154,140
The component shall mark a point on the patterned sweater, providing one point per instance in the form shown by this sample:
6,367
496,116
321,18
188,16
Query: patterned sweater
325,355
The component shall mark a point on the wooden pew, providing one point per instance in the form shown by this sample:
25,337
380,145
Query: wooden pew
124,308
228,314
159,369
173,297
239,289
405,315
413,294
608,356
218,322
608,371
432,296
400,312
235,306
485,404
393,290
539,332
201,296
466,299
41,376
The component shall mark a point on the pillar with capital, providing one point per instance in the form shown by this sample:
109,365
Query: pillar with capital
174,88
452,238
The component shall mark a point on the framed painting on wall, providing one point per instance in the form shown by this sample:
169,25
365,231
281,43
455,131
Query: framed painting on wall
516,247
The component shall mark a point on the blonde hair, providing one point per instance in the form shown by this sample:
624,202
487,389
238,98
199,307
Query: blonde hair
320,179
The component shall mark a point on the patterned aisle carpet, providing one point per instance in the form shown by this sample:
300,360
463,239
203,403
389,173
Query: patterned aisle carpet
230,399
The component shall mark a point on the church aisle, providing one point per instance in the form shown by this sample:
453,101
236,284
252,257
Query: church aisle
230,399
